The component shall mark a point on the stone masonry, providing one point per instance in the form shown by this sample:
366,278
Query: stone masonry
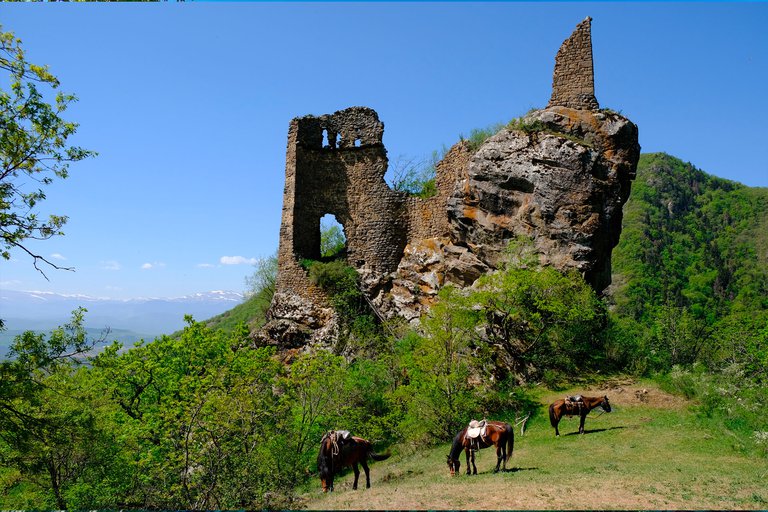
573,82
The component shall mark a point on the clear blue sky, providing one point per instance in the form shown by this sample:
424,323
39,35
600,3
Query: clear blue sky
188,106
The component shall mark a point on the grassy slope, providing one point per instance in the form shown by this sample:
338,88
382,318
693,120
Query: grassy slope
652,454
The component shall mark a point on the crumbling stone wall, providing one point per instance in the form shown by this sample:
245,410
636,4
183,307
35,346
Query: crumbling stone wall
573,82
335,165
427,218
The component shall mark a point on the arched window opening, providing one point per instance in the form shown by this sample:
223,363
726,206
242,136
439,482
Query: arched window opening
333,240
325,138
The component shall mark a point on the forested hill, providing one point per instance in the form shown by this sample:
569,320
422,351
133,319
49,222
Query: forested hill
695,247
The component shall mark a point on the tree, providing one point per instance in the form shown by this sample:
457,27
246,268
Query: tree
444,370
540,320
34,150
262,281
47,432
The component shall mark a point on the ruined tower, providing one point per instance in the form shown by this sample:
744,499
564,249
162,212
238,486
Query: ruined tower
573,81
335,164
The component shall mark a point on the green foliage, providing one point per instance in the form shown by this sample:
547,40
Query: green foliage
34,149
332,241
524,124
692,294
689,240
201,418
479,135
689,260
47,433
443,368
729,400
542,320
361,331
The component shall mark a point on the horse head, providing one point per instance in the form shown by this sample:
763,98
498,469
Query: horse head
453,465
325,464
605,405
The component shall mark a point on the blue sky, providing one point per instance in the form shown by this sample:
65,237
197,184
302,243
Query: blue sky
188,106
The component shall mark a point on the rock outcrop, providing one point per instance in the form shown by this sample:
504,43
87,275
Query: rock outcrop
559,176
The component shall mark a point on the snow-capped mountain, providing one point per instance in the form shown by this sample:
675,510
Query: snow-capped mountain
21,310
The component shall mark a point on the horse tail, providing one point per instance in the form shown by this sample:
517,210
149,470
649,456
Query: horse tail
373,455
379,456
552,416
510,442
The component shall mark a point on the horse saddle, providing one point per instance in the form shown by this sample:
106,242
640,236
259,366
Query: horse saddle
337,436
476,429
342,434
573,403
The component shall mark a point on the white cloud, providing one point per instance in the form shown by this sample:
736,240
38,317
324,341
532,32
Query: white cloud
57,256
237,260
156,264
205,265
111,265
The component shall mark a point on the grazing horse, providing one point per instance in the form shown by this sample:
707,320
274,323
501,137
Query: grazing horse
497,433
338,450
572,408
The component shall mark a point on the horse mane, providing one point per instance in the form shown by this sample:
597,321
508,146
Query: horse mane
458,444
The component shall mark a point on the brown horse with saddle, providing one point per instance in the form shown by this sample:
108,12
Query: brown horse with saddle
479,435
340,449
577,405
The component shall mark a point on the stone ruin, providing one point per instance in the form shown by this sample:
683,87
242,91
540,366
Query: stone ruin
560,177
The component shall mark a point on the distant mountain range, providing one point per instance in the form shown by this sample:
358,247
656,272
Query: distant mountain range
128,320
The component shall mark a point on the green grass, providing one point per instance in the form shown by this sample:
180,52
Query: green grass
641,456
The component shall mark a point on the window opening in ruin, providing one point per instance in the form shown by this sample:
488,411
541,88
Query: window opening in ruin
358,138
333,240
325,138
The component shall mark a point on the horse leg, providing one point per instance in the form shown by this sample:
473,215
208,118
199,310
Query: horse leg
357,475
554,419
499,456
469,467
582,417
367,474
474,468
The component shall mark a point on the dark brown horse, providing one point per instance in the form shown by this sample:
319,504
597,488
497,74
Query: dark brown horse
339,450
497,433
576,408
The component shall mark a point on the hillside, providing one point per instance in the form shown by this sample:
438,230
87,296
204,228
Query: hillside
652,451
691,240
